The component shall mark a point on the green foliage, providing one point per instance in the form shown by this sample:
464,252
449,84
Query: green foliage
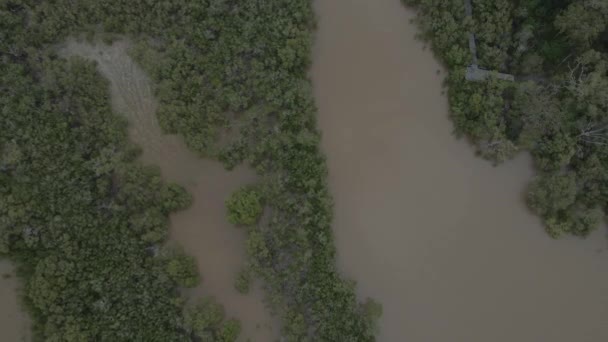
229,331
205,320
372,311
478,110
576,222
242,283
583,21
244,206
181,268
550,194
558,199
175,198
558,109
75,211
493,23
446,30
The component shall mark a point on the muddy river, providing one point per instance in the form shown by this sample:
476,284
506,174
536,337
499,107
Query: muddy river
440,237
202,229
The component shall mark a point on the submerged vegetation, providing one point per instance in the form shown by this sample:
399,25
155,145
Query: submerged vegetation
558,107
85,221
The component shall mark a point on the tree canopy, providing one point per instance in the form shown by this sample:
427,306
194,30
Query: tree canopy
244,206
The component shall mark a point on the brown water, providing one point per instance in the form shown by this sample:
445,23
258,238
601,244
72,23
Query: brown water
202,229
440,237
14,323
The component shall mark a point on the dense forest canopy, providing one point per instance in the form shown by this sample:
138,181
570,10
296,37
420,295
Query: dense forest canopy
77,214
558,107
85,221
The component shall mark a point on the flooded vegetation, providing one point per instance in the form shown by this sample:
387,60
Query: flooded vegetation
202,229
384,194
439,236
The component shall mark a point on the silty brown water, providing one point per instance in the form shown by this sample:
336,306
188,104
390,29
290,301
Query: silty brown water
440,237
202,229
14,322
